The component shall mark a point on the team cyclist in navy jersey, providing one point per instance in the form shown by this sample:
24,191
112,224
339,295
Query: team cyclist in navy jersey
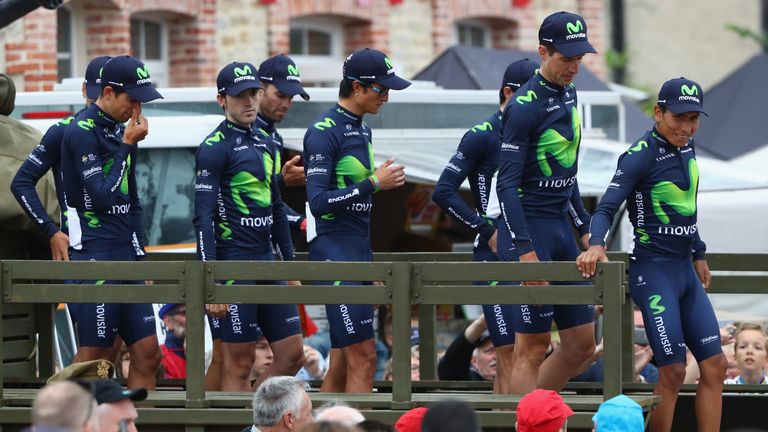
658,177
98,159
341,180
47,156
537,189
477,159
238,210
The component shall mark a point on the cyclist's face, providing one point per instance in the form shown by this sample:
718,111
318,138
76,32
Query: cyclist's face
241,109
557,68
371,97
274,104
120,107
677,129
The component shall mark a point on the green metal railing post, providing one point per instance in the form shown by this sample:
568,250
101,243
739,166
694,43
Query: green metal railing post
609,279
194,279
627,337
5,285
427,331
400,283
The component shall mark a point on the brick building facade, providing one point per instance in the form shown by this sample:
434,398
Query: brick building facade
185,42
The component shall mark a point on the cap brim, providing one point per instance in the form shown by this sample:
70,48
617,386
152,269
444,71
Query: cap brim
243,86
144,94
574,49
93,91
139,394
394,82
682,108
291,88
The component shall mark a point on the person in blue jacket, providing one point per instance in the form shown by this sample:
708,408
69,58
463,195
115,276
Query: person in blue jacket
341,180
47,156
658,177
238,211
477,159
104,212
541,133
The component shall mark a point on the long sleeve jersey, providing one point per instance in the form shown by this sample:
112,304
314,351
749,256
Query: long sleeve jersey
269,131
476,159
659,182
541,133
98,171
338,164
46,156
237,200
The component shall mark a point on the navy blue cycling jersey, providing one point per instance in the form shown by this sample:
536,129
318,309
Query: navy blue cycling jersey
659,182
476,159
46,156
237,200
268,130
338,162
98,172
540,137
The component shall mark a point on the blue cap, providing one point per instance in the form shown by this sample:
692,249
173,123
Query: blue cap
518,73
682,95
93,76
131,75
619,414
414,336
567,32
281,71
236,77
372,66
164,309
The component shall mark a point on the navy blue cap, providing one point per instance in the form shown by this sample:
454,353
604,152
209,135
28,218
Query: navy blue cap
130,74
372,66
164,309
281,71
236,77
567,32
108,391
518,73
682,95
93,76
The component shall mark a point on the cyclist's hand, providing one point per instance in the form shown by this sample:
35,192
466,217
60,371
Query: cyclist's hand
702,271
531,257
293,174
217,310
59,246
587,261
137,128
390,176
492,243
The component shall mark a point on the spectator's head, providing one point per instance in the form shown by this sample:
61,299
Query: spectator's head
730,356
263,359
484,358
116,411
326,426
750,349
415,363
411,420
339,412
92,81
619,414
450,416
281,404
542,411
375,426
7,95
174,317
64,406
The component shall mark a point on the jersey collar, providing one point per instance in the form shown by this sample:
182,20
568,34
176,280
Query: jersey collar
235,127
101,117
663,141
543,83
349,115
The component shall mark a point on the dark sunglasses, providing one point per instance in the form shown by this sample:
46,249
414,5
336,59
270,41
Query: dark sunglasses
382,91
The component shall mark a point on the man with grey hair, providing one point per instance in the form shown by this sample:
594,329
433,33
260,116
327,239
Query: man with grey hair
63,406
281,404
339,412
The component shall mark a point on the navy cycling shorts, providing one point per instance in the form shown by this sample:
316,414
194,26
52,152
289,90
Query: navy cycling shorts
247,322
497,316
99,323
676,310
349,323
215,325
553,240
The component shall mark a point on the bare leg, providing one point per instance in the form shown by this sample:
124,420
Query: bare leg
213,374
336,379
361,366
238,359
504,366
576,347
145,359
527,358
670,380
709,393
289,358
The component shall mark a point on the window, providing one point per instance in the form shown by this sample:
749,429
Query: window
148,42
64,36
306,41
473,34
317,47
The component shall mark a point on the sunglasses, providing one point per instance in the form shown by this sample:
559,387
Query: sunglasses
381,91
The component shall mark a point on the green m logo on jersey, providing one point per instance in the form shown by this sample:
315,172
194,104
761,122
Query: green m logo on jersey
349,168
226,231
637,147
242,71
86,124
485,126
689,91
529,97
124,182
325,124
93,220
642,236
576,27
215,138
293,70
388,63
245,183
682,201
66,121
564,151
657,308
142,73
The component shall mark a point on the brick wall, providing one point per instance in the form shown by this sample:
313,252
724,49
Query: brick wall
34,55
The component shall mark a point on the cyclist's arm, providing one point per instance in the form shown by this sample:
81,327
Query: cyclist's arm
103,188
579,215
209,170
281,232
137,220
699,247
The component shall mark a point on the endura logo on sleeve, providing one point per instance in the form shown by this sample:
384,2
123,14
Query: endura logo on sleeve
451,166
565,152
530,96
325,124
35,159
485,126
683,201
354,193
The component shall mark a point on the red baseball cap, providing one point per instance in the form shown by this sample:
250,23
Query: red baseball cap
542,411
411,420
